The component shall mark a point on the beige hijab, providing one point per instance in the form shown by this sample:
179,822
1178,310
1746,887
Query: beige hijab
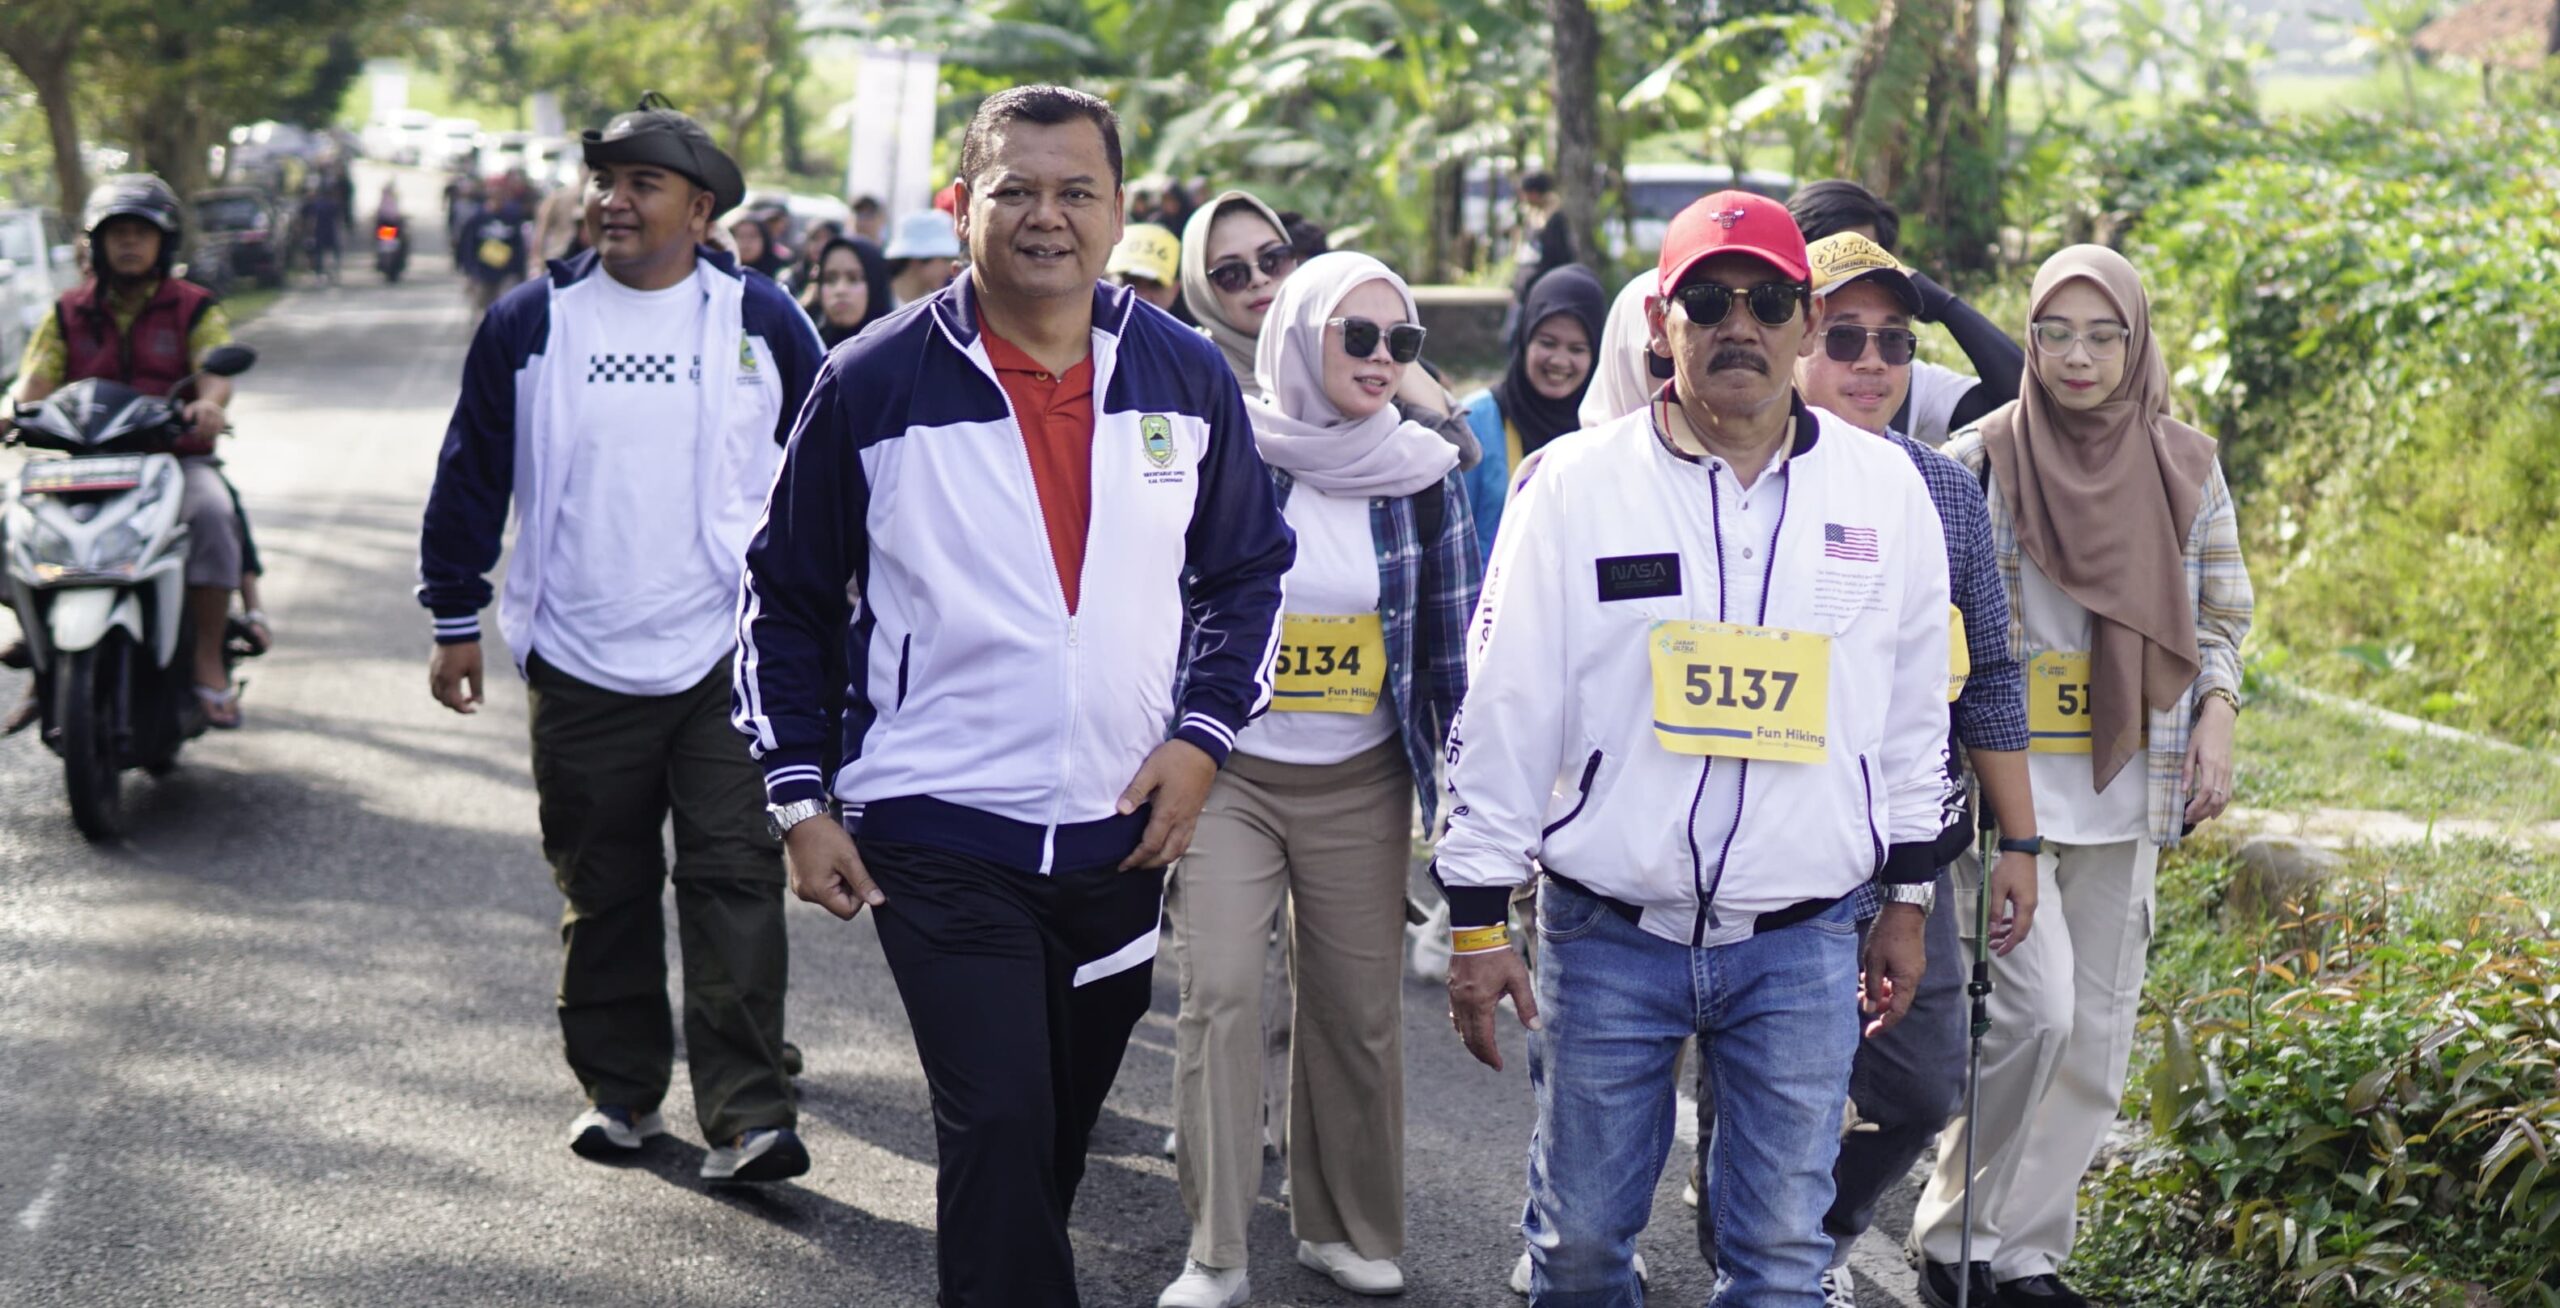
2103,500
1233,342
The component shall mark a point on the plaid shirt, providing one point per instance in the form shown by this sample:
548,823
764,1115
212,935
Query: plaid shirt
1991,714
2217,588
1426,597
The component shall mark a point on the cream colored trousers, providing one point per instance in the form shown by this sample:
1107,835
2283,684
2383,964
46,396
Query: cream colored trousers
2063,1006
1336,840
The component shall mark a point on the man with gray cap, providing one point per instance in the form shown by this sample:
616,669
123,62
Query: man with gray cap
632,404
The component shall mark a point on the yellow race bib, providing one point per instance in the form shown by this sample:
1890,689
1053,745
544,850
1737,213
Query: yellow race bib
494,253
1739,691
2058,717
1330,663
1959,654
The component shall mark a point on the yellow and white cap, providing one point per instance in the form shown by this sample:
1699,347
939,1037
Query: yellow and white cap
1844,257
1148,251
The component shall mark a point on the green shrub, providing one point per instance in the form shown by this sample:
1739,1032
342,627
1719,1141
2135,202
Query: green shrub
2367,1114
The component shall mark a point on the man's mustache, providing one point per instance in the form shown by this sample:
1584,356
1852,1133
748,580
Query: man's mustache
1735,356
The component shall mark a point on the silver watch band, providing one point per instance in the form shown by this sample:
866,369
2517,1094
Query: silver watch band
786,816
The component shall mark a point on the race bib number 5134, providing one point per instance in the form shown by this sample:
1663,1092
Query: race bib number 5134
1329,663
1741,691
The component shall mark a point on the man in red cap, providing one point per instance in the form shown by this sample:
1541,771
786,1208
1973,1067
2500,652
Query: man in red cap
1748,600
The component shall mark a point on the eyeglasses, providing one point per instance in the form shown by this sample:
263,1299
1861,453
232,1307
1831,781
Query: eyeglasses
1707,303
1360,338
2054,339
1234,275
1846,344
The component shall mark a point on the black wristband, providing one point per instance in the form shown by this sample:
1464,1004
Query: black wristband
2030,845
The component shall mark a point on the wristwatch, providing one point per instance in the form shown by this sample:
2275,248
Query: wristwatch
2032,845
782,817
1922,895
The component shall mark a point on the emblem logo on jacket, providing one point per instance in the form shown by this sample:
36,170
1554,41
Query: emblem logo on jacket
1155,431
746,355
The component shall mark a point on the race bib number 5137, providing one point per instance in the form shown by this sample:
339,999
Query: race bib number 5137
1741,691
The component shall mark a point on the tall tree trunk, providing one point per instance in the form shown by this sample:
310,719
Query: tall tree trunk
1576,156
62,125
1915,130
43,40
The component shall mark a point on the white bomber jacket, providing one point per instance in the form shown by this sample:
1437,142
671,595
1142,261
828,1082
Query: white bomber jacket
1553,757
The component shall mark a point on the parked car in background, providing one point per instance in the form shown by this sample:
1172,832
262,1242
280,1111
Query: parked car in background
242,231
399,136
503,151
450,142
553,161
1655,193
44,256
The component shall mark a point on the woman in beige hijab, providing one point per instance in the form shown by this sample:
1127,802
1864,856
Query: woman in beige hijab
2128,601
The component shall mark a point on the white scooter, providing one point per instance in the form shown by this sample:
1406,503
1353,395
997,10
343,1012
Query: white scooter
96,570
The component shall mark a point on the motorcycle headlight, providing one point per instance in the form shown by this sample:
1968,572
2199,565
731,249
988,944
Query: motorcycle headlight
45,546
119,549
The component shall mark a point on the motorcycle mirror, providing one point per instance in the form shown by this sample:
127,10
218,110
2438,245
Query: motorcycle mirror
229,360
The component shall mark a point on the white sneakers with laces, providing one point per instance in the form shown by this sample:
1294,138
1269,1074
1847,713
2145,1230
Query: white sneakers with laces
1351,1271
1203,1286
1840,1289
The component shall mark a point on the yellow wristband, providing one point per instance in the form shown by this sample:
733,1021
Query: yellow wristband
1468,940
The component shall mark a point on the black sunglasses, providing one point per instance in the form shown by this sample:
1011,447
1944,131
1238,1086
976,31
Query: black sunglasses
1235,274
1773,303
1360,338
1845,343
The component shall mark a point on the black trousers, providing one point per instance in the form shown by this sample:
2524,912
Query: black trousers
1018,1056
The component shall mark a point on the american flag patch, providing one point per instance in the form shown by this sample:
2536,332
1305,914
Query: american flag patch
1858,543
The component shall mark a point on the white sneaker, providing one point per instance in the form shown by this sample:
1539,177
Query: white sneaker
1520,1274
1689,1193
1840,1288
1203,1286
1171,1138
1351,1271
606,1131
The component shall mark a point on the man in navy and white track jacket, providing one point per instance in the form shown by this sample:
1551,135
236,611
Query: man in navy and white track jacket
631,404
1014,521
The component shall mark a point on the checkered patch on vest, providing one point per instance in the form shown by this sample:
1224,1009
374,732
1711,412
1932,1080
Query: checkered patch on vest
643,368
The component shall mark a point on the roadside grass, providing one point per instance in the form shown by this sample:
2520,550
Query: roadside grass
2296,754
244,305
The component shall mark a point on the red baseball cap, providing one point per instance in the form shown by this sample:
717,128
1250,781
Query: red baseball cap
1737,222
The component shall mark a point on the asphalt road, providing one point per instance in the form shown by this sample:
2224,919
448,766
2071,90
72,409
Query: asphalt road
291,1041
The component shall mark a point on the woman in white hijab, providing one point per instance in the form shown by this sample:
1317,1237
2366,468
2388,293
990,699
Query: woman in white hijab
1318,799
1622,375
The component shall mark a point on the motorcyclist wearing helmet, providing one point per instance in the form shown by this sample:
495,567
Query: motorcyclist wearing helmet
133,322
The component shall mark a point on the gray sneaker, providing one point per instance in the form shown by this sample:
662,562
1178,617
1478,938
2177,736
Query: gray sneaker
612,1131
757,1156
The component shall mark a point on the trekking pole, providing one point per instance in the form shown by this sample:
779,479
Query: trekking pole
1980,990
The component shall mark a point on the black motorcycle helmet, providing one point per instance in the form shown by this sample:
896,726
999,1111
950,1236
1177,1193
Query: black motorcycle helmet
135,195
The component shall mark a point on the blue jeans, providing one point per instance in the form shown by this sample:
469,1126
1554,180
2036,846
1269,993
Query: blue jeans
1777,1018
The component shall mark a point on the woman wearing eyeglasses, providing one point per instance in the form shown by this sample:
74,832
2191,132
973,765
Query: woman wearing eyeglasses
1318,799
1540,394
2128,598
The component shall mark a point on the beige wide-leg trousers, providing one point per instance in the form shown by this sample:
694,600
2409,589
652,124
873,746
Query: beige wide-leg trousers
1337,841
2063,1006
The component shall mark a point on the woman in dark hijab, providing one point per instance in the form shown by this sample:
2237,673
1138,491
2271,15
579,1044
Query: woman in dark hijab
1540,396
839,297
